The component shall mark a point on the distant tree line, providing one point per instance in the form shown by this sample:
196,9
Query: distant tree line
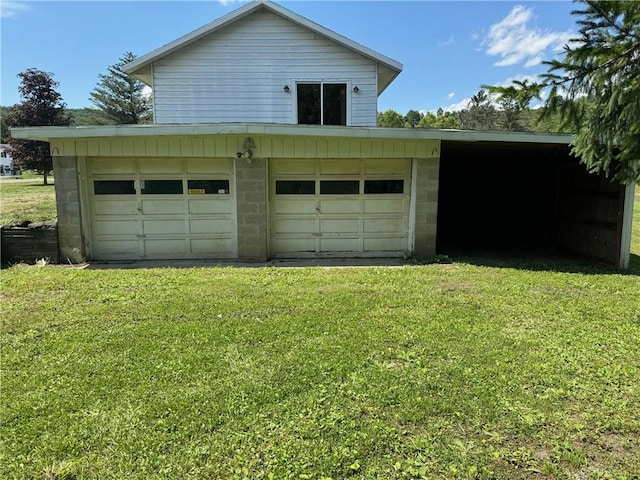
507,113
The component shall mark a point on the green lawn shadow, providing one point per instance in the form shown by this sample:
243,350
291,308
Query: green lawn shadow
544,261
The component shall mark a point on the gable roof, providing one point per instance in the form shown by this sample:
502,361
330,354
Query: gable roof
388,69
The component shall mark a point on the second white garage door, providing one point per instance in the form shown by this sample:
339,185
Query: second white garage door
339,207
161,208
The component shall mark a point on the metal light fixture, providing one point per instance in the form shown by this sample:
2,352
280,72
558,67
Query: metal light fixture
356,89
286,89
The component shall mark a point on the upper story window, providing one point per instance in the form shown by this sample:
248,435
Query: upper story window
322,103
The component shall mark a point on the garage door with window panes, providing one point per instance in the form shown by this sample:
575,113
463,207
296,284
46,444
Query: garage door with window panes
161,208
339,207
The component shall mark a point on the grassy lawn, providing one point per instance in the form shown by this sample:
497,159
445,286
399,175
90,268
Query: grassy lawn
30,200
424,371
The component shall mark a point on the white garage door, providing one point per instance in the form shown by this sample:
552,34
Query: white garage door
161,208
339,207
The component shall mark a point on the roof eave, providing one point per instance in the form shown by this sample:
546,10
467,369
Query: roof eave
136,67
86,132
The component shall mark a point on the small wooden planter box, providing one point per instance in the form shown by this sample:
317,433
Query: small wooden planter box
29,243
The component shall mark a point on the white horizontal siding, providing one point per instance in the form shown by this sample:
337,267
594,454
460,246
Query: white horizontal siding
238,74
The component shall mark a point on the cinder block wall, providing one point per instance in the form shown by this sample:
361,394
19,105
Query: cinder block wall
251,205
427,180
65,171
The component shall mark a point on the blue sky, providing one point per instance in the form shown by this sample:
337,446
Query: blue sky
448,48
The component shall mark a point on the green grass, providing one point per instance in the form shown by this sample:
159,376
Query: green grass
30,200
425,371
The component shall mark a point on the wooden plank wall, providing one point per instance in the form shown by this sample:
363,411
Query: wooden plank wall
28,245
590,214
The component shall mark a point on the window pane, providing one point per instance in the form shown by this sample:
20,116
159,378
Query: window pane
161,187
295,187
339,187
334,103
309,103
384,186
114,187
208,186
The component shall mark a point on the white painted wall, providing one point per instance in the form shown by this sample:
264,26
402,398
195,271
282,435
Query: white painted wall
238,73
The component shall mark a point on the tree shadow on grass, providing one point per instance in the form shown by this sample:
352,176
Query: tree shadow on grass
550,261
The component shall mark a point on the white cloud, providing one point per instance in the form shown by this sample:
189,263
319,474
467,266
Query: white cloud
514,41
11,8
456,107
451,40
521,78
451,95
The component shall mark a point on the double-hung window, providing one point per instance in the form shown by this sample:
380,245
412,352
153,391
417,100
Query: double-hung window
322,103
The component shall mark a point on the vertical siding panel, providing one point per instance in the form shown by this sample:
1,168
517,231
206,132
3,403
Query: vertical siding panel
210,147
94,150
163,147
139,147
299,148
264,147
220,147
233,145
387,149
410,149
116,147
343,149
322,148
104,147
311,148
365,149
68,147
82,149
333,148
398,149
288,147
186,150
151,147
376,149
127,147
197,145
355,148
174,147
277,147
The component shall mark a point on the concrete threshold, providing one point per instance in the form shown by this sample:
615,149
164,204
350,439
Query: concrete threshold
281,263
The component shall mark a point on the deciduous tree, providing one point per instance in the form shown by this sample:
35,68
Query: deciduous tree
391,119
41,105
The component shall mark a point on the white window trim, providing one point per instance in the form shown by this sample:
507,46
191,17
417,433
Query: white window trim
295,83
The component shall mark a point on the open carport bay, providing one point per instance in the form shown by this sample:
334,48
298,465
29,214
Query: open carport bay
497,197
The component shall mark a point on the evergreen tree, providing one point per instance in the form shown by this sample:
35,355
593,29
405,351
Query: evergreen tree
120,96
514,100
480,113
595,88
41,105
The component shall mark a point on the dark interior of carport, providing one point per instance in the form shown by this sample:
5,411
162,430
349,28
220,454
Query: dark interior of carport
525,198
